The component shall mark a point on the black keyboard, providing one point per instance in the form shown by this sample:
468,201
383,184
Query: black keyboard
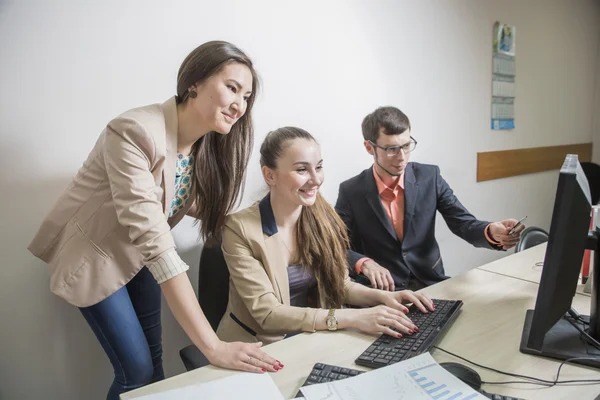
326,373
388,350
498,396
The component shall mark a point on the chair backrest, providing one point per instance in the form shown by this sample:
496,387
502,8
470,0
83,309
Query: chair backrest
592,173
531,236
213,283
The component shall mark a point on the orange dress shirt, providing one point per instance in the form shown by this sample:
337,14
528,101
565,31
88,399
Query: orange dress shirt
392,200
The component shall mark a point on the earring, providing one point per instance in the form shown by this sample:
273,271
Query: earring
192,93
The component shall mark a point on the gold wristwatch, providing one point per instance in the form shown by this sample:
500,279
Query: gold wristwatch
332,322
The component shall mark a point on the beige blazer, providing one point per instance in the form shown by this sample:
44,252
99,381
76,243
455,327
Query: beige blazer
112,220
259,291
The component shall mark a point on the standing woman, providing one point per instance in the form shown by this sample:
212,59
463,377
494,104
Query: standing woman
107,240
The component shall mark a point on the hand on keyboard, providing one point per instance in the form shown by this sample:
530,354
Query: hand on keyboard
389,349
379,319
397,299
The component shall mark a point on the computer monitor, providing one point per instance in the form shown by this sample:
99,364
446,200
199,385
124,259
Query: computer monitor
546,331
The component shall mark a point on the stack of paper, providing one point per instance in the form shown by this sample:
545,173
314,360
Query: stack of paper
417,378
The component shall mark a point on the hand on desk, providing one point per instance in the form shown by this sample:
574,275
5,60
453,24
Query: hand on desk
379,276
243,357
499,232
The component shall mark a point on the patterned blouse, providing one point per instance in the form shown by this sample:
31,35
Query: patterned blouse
184,172
170,264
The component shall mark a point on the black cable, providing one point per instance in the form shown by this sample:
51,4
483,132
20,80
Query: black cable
582,382
536,381
571,360
495,370
590,339
573,313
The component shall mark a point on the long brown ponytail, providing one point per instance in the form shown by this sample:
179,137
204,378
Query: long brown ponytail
321,238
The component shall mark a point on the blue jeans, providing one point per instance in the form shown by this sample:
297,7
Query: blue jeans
127,324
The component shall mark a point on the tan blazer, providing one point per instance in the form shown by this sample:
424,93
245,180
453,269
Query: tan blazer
259,291
112,220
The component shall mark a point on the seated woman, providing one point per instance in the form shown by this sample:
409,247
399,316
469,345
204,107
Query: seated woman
287,257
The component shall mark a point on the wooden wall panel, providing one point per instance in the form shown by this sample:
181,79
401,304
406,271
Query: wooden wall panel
502,164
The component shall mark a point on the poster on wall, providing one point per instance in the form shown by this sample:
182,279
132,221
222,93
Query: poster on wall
503,77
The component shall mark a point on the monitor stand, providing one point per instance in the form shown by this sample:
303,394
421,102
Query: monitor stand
563,340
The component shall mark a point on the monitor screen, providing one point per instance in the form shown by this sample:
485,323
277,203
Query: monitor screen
564,252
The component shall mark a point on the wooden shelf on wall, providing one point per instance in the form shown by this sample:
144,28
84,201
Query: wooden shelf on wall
502,164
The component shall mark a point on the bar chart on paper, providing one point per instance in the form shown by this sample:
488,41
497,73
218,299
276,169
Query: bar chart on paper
418,378
429,381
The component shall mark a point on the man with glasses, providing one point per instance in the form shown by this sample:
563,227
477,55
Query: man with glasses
390,211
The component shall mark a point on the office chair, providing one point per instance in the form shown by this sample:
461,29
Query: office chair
213,295
531,236
592,173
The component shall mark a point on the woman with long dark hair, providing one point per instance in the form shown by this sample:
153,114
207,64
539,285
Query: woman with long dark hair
107,240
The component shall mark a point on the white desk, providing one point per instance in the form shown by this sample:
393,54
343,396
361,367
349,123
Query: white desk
526,265
487,331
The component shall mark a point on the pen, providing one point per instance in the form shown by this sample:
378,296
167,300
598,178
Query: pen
517,225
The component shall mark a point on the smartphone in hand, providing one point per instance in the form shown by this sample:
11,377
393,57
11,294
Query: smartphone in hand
519,222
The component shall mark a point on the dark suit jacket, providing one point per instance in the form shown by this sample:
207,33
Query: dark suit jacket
372,234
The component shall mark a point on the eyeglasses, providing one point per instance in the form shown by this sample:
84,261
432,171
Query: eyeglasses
392,151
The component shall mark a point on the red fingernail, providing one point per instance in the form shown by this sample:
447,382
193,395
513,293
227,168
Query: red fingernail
410,332
399,335
416,329
276,368
263,370
280,365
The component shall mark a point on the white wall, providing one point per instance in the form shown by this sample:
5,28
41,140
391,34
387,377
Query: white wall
67,67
